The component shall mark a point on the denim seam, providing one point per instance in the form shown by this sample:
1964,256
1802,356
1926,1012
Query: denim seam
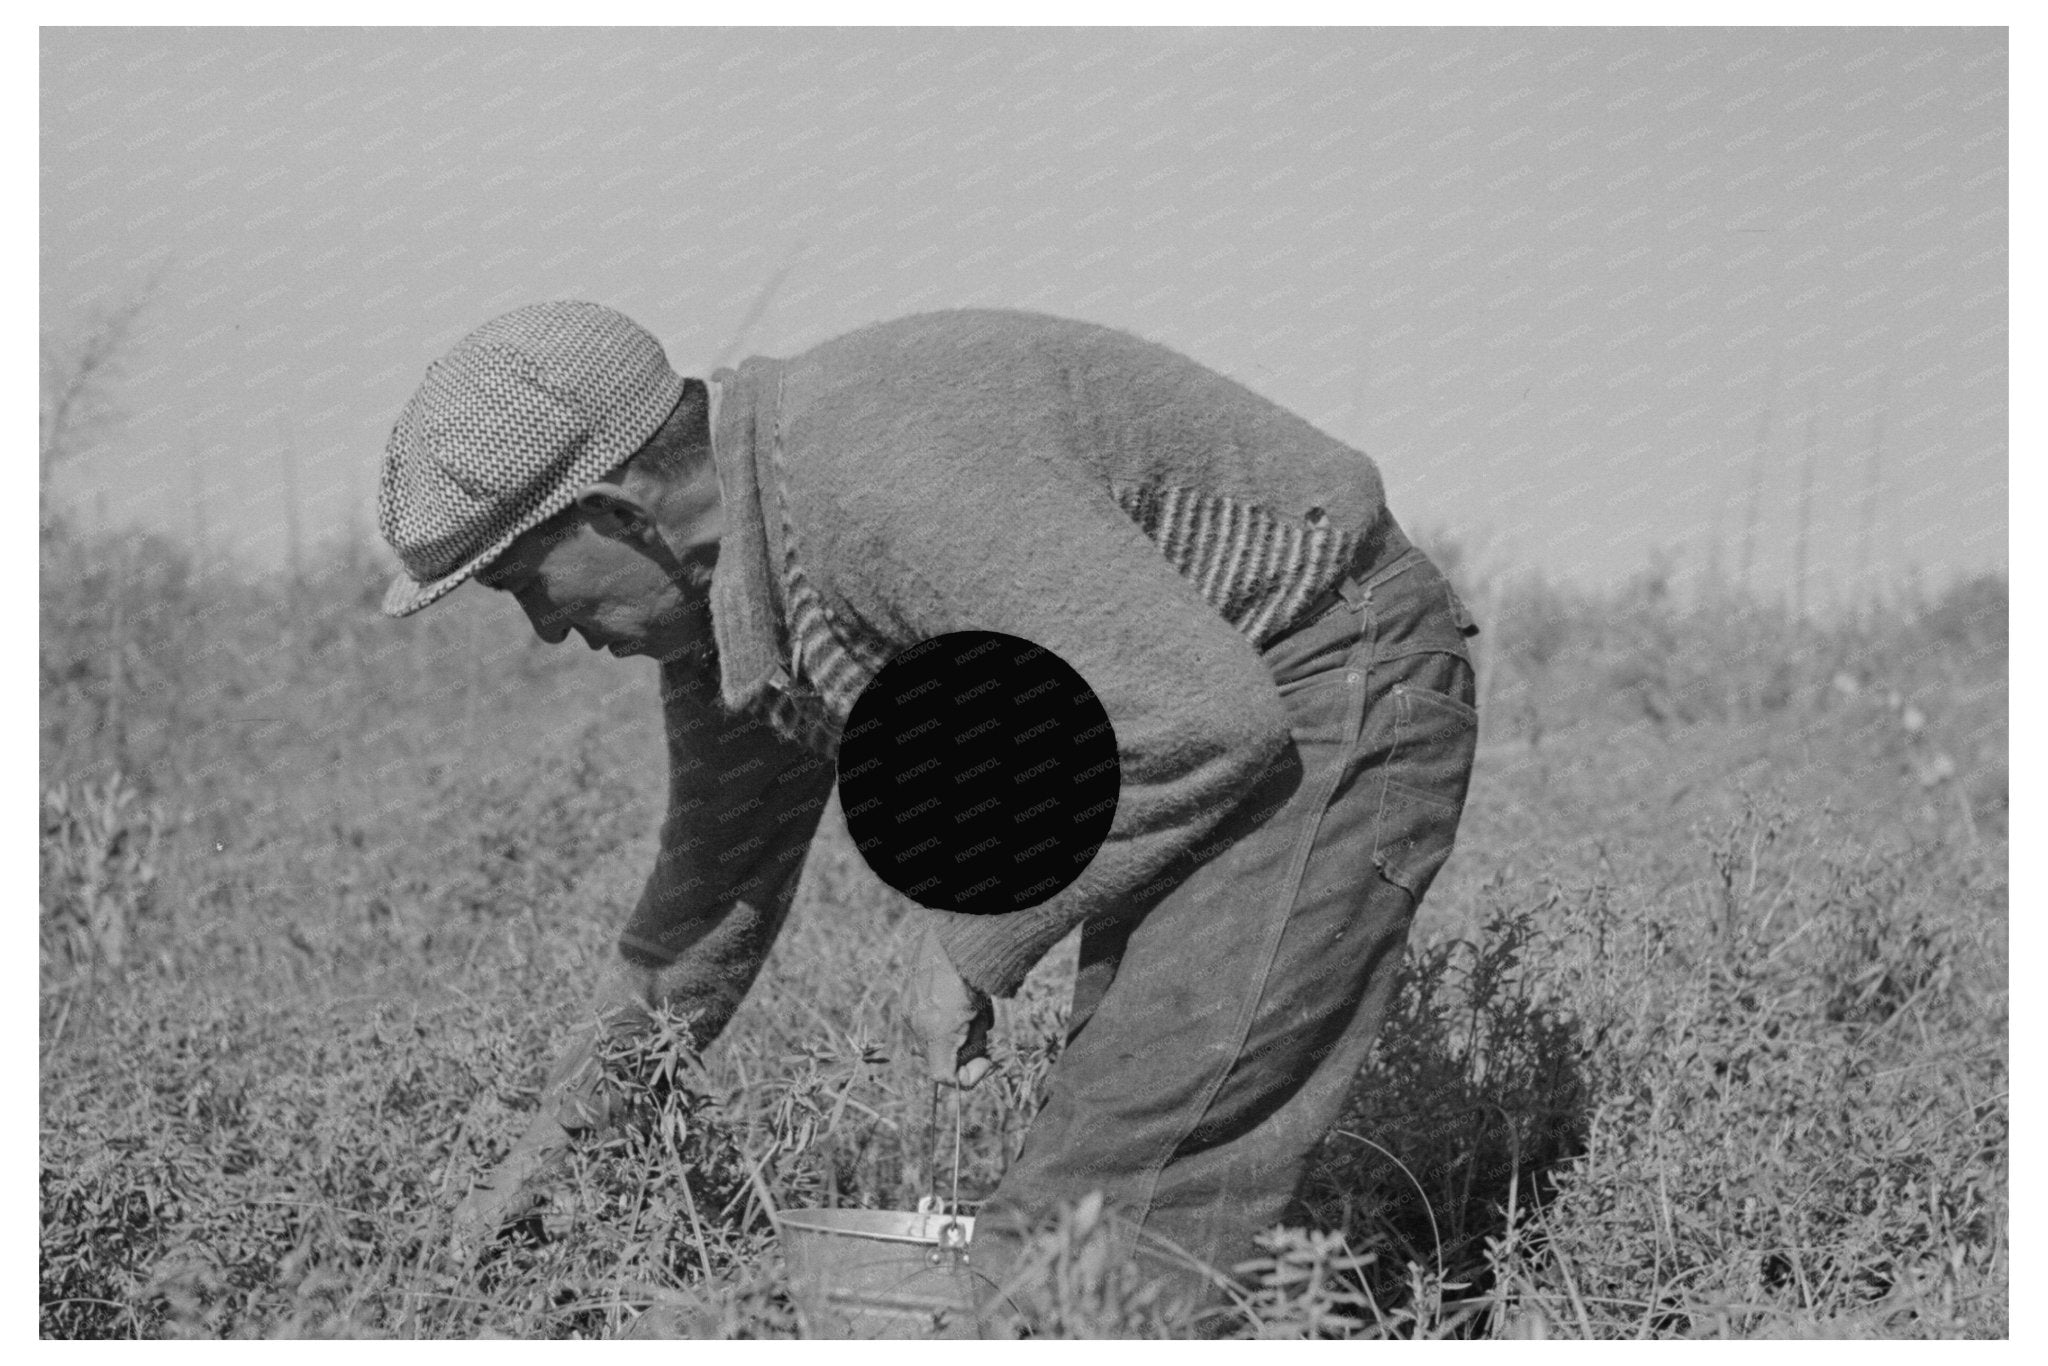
1399,693
1357,681
1379,816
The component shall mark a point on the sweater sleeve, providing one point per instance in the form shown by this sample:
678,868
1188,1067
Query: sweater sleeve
743,806
1006,534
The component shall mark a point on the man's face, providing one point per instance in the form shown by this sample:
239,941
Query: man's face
570,576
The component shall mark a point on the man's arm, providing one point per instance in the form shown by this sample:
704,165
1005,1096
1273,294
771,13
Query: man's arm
993,528
743,806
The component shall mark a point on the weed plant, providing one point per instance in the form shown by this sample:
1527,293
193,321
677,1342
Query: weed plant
1703,1032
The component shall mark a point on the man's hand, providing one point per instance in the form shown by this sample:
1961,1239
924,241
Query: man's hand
572,1102
951,1017
514,1190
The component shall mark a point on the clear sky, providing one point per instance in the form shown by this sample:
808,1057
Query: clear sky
1588,296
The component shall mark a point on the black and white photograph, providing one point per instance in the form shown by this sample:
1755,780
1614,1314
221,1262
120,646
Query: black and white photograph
1267,682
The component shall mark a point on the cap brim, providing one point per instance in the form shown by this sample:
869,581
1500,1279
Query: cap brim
407,594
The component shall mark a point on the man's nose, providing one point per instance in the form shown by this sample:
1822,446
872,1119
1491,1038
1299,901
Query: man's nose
550,625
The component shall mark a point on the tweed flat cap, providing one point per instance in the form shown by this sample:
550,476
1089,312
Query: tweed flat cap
506,429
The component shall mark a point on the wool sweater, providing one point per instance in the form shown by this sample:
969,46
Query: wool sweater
1151,521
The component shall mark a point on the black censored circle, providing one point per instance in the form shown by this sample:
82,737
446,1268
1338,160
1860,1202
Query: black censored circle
978,773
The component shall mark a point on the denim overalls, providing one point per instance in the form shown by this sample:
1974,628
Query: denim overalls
1216,1034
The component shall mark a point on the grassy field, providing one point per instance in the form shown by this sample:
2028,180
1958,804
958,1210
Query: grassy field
1704,1034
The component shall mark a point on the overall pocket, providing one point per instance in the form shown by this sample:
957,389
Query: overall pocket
1422,732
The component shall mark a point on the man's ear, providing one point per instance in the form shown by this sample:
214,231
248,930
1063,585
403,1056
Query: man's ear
614,510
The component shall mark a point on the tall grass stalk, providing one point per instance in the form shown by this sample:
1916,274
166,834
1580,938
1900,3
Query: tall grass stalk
1711,578
1803,537
195,471
1873,493
294,535
1759,454
117,673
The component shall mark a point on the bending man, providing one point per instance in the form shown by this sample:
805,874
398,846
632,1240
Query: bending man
1286,676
